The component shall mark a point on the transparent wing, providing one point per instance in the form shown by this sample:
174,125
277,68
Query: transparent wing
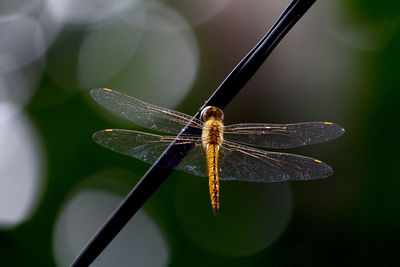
282,135
149,147
243,163
237,162
144,114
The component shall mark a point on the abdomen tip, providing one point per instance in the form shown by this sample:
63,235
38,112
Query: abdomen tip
215,212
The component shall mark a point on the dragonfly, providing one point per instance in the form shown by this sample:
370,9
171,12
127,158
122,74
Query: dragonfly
217,151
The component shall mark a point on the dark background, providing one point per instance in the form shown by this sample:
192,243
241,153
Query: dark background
339,63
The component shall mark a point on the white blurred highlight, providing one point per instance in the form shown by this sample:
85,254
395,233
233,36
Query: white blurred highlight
14,87
88,11
163,67
22,41
18,86
161,17
21,166
13,7
140,243
108,48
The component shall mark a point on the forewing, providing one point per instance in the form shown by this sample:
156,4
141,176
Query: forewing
242,163
144,114
282,135
149,147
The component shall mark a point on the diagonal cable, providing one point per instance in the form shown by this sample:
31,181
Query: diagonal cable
156,175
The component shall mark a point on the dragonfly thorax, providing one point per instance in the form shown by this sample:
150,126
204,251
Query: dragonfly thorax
212,132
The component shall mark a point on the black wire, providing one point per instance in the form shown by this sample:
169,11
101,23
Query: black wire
155,176
256,57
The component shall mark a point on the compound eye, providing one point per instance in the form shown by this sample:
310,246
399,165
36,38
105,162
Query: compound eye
220,114
212,112
205,113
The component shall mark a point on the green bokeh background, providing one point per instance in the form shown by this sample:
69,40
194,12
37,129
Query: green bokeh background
351,218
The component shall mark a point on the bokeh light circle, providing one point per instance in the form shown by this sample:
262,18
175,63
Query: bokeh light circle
22,42
21,166
18,86
162,69
140,243
252,215
87,12
106,50
14,7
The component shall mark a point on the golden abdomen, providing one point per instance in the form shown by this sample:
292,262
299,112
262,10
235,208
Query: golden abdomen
212,140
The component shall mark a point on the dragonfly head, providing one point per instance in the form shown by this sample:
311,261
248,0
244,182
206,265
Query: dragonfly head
212,112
